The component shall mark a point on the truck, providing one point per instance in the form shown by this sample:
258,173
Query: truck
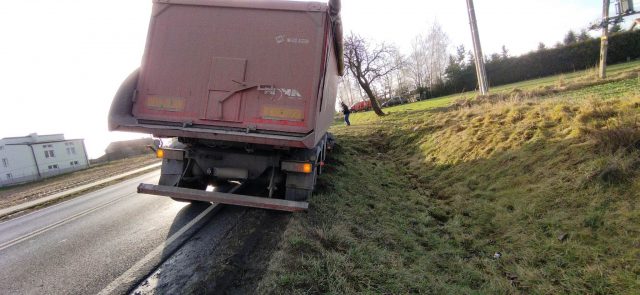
246,90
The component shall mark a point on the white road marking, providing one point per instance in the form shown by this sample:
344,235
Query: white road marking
128,277
57,224
144,176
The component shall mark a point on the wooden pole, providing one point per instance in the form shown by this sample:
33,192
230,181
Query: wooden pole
477,48
604,40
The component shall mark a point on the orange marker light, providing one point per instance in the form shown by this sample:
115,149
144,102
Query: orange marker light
299,167
160,153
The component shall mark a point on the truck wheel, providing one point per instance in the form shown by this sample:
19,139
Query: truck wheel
297,194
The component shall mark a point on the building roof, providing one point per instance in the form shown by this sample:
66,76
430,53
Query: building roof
34,138
46,141
28,136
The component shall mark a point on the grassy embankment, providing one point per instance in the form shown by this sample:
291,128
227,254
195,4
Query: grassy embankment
420,201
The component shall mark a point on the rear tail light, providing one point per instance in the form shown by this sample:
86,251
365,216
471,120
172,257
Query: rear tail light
170,154
300,167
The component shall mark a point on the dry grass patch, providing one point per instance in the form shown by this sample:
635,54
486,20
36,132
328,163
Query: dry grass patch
511,196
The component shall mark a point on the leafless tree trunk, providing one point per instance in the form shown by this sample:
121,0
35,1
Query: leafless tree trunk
400,75
393,81
418,61
429,57
438,48
346,91
368,64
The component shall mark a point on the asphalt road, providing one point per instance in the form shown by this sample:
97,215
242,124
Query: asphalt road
86,244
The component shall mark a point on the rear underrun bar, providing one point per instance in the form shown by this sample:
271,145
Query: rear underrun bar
222,198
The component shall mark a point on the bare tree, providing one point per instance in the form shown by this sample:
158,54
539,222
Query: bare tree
401,74
429,57
437,43
505,53
419,61
394,80
368,64
346,91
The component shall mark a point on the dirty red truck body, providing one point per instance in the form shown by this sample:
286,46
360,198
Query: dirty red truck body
257,72
217,69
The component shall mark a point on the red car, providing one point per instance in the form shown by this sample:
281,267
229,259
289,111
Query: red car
361,106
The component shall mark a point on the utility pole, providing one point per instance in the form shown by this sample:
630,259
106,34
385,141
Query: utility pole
477,49
604,40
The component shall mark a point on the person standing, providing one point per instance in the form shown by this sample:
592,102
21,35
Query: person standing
346,112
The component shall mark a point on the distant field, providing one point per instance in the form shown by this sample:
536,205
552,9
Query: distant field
629,85
510,194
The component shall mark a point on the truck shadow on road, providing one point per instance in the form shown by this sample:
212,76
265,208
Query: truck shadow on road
226,254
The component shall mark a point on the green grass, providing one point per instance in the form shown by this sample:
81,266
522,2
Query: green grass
612,72
420,201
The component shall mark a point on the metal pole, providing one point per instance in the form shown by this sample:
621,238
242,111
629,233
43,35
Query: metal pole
604,40
477,49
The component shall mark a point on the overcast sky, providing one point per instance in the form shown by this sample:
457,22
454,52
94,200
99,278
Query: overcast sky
61,61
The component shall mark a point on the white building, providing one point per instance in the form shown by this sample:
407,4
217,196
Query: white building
33,157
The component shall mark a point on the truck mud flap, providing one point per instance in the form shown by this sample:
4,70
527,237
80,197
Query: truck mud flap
222,198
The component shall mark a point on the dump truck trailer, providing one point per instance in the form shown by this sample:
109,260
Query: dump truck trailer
246,88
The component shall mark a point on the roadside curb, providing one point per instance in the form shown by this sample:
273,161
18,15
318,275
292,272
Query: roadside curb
27,205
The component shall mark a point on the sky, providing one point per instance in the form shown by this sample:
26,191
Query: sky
62,61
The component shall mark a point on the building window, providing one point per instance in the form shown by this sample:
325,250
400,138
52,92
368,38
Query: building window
51,167
9,176
1,147
71,151
68,143
49,154
5,162
73,163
